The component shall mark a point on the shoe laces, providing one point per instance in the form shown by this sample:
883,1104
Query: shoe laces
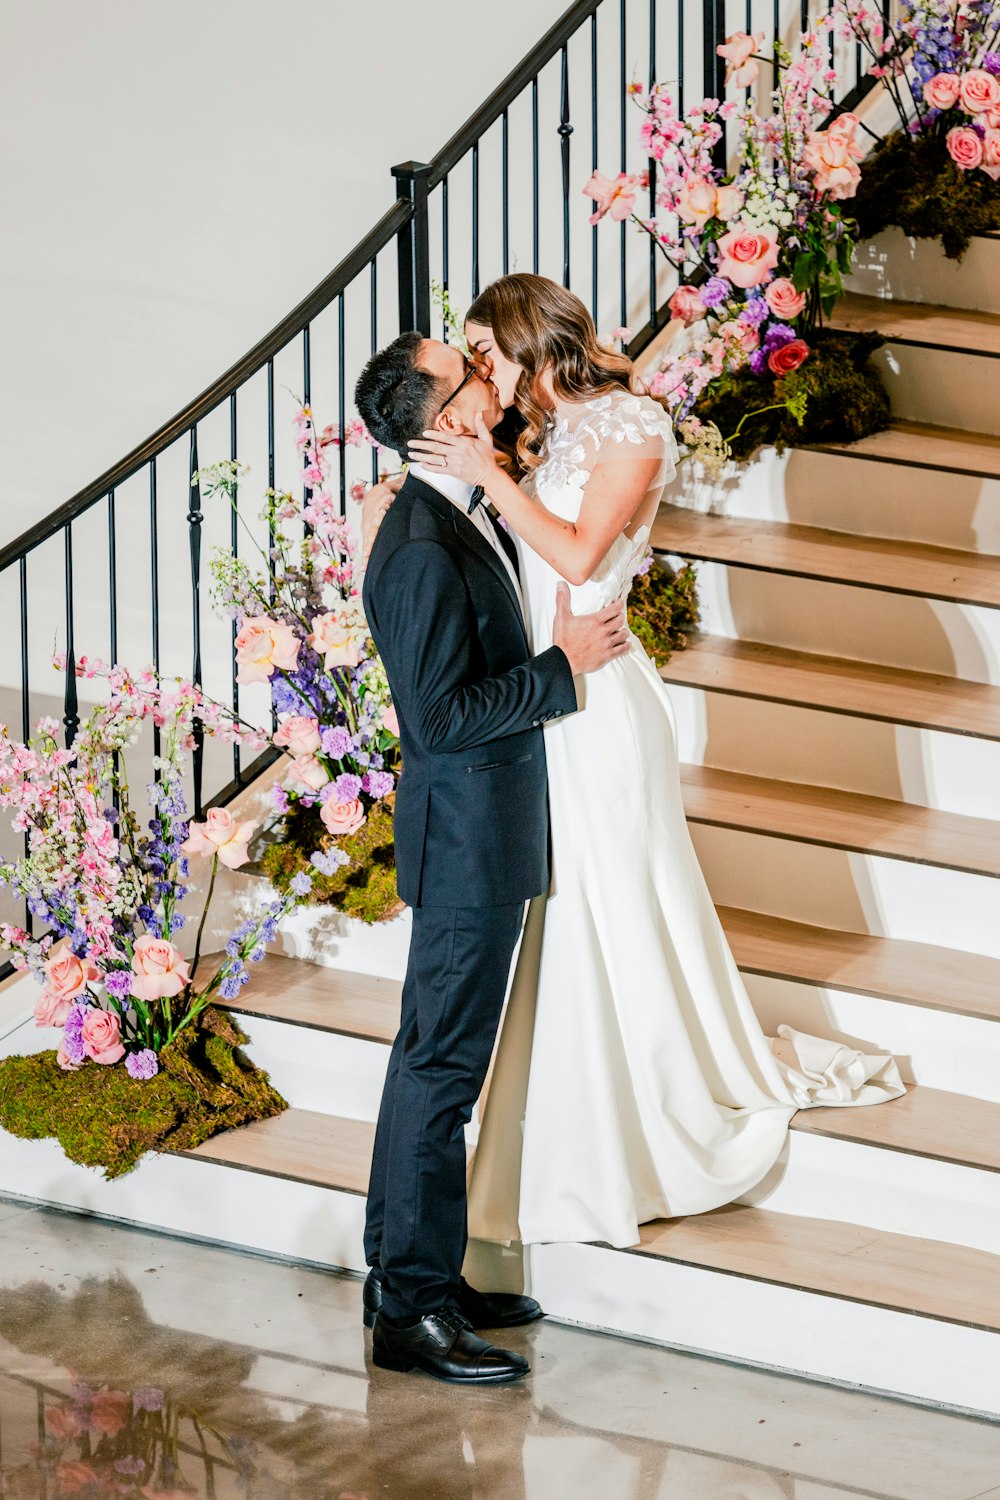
455,1321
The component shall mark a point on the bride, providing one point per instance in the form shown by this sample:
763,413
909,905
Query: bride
632,1079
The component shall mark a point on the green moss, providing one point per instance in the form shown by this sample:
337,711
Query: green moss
365,888
103,1118
913,184
845,397
663,609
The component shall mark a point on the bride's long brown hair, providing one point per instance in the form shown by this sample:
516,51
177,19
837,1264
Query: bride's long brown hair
544,327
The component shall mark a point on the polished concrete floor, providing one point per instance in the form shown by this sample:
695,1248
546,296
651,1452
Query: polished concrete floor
134,1365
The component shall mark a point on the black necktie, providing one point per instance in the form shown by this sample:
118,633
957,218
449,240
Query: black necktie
502,534
476,499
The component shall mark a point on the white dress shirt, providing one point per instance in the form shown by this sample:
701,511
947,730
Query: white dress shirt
460,493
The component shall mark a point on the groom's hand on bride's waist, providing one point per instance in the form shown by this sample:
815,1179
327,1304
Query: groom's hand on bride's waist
589,641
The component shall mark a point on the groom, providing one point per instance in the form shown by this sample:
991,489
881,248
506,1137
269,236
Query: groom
443,602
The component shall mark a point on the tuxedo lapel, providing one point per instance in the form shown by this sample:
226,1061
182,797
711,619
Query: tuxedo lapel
467,531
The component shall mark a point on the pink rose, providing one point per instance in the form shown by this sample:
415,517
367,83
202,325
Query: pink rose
831,160
992,119
65,1061
109,1411
308,771
687,305
332,638
991,154
844,129
788,357
66,975
101,1034
390,720
695,203
612,196
965,147
741,69
263,647
747,256
978,91
728,202
220,835
62,1422
941,91
298,734
342,818
51,1009
158,970
74,1477
783,300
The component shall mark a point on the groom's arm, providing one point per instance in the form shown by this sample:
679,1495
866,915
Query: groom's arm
419,608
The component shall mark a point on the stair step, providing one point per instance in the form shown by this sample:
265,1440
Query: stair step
299,1145
920,446
921,974
922,324
895,695
924,1122
885,564
323,999
842,820
899,1272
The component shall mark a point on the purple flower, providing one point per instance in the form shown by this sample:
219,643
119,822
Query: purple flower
142,1065
715,290
130,1465
336,742
147,1398
301,883
755,312
777,335
73,1033
991,62
118,983
347,787
279,799
330,862
378,783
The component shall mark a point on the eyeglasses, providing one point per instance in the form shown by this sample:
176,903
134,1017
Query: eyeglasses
470,372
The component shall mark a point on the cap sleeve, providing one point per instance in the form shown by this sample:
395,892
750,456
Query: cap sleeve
628,429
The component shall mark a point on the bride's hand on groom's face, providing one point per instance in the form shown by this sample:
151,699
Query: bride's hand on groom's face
459,454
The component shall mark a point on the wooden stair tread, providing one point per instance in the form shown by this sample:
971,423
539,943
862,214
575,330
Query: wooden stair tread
921,323
305,994
843,820
922,974
882,563
924,447
868,690
896,1271
924,1122
299,1144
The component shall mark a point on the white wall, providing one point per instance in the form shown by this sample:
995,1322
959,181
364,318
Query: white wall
175,177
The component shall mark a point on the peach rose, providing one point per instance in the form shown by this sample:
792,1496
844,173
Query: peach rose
390,720
109,1411
66,975
728,202
342,818
831,160
965,147
50,1009
700,200
788,358
686,304
220,835
333,640
978,91
263,647
158,969
75,1477
747,256
65,1061
299,734
614,196
62,1422
941,91
741,68
991,154
102,1036
783,300
308,771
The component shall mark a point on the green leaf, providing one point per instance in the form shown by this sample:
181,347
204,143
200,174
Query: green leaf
804,270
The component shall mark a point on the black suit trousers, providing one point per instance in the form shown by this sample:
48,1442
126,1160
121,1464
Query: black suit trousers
453,995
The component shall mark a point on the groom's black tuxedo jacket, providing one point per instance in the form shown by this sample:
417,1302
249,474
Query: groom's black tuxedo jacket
471,821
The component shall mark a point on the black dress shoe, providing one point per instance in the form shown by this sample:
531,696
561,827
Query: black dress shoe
444,1345
481,1309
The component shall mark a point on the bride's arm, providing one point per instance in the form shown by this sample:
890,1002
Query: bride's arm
613,495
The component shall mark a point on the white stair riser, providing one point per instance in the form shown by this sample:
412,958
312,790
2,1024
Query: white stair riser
820,1177
893,266
319,1070
934,1047
842,492
940,386
757,1323
856,892
930,768
859,624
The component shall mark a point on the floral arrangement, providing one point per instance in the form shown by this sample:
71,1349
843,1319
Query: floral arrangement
108,890
301,629
762,250
663,606
937,175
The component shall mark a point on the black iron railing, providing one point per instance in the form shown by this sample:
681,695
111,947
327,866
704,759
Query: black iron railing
504,193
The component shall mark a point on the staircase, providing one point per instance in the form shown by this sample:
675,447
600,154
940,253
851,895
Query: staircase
839,723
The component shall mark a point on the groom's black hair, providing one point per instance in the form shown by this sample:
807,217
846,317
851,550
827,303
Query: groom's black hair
395,399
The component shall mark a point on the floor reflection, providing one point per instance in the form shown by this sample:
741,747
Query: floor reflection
134,1367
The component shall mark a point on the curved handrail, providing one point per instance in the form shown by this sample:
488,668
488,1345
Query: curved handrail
254,360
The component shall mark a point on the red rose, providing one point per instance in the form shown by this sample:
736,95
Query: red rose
788,357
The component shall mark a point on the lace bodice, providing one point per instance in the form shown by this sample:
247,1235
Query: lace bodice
613,428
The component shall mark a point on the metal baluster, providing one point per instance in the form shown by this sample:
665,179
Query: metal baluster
412,248
234,542
306,401
680,57
270,485
154,586
475,220
714,33
565,131
445,256
194,519
623,130
341,403
534,175
804,15
112,577
25,694
653,317
71,705
374,342
595,291
505,188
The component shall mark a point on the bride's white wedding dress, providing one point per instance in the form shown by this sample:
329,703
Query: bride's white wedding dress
632,1080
